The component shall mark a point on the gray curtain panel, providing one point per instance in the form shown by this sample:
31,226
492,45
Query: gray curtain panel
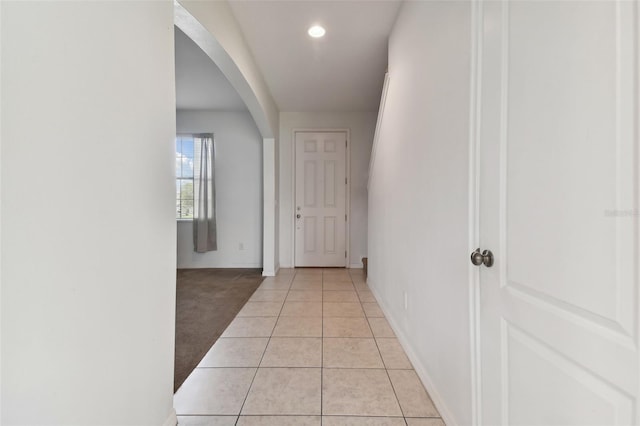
204,193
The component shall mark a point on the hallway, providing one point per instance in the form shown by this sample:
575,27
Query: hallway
311,347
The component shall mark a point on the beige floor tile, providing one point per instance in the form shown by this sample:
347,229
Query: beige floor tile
360,287
260,309
250,327
307,280
279,421
301,309
361,421
207,420
350,353
357,392
345,327
392,353
366,296
335,270
304,296
308,271
307,285
425,422
339,296
372,310
337,279
216,391
381,327
298,327
338,286
274,285
235,352
336,276
342,309
414,400
283,391
313,272
279,278
293,352
268,296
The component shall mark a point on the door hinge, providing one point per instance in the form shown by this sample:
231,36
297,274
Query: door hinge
345,181
345,254
345,217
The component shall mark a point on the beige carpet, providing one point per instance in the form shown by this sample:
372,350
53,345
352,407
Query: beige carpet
207,300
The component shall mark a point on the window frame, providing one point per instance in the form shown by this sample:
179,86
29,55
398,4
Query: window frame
180,177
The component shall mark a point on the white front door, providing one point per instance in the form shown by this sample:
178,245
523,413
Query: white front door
559,191
320,212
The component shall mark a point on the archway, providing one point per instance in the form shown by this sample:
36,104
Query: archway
213,28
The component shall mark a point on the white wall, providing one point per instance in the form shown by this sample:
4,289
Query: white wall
238,172
418,199
87,220
361,126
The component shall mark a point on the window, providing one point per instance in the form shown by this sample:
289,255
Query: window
184,177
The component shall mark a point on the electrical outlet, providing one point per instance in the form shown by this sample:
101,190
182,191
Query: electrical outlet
241,246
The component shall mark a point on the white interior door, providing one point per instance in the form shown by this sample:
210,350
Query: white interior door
559,209
320,215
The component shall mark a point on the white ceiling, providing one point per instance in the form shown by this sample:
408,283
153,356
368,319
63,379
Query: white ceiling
343,71
199,82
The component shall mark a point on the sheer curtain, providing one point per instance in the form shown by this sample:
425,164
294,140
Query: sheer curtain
204,194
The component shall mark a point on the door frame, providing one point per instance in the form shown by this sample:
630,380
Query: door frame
473,219
347,204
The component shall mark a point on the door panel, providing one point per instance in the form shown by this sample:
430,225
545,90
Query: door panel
320,238
559,210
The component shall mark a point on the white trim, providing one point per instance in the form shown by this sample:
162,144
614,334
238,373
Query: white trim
269,206
376,134
347,206
226,266
421,371
172,420
355,266
475,109
270,273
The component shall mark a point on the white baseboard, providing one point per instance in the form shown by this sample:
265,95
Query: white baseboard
270,273
225,266
421,371
172,420
355,266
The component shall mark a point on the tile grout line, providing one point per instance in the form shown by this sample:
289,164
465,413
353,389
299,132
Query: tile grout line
263,353
386,370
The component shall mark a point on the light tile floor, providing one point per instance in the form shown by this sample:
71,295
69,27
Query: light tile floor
311,347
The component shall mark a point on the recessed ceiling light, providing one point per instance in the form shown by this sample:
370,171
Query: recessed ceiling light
316,31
